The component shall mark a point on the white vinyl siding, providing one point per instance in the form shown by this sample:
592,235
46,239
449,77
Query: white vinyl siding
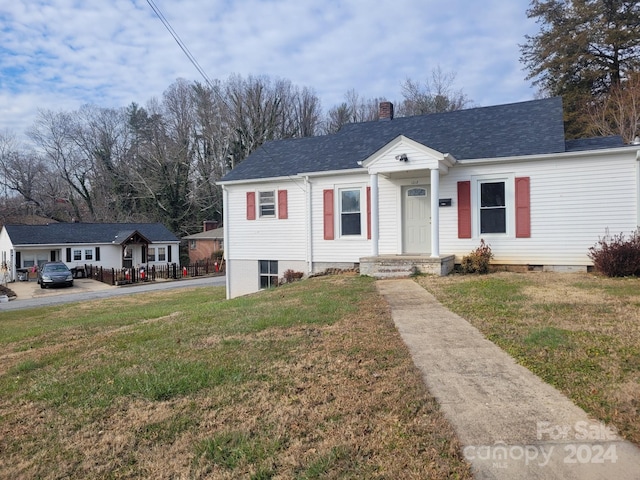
574,201
347,249
281,239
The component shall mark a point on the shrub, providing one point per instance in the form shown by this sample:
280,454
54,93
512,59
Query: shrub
615,256
292,276
478,260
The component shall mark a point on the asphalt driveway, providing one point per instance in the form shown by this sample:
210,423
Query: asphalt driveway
30,295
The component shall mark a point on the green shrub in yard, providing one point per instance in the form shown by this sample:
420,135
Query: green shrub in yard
616,256
478,260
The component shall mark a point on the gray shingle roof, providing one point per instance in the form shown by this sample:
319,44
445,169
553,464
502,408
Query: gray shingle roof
85,233
209,234
594,143
526,128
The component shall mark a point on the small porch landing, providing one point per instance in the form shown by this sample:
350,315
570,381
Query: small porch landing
394,266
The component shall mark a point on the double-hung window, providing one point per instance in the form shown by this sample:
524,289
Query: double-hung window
350,212
88,254
151,254
162,256
268,273
267,203
77,255
493,207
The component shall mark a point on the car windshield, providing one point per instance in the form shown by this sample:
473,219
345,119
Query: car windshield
56,268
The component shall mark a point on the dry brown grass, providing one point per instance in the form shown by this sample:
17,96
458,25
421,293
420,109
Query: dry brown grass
579,332
334,399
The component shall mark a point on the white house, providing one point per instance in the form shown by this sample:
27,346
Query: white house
110,245
421,192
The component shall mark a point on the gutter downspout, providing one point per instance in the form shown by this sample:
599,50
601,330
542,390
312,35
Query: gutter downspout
638,188
308,212
227,244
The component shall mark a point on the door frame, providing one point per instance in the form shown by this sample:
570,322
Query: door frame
403,198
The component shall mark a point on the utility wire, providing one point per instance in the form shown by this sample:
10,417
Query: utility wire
180,43
192,59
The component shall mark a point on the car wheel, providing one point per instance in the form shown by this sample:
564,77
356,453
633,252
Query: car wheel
42,285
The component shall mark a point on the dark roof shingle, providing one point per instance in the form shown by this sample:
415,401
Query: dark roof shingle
84,233
526,128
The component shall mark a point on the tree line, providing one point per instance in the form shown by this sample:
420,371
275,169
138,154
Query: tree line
160,162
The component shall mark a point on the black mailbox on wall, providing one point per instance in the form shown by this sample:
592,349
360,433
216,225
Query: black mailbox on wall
445,202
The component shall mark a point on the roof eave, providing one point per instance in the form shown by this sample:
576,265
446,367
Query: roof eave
328,173
547,156
253,180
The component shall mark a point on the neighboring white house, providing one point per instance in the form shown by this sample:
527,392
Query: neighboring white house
421,192
110,245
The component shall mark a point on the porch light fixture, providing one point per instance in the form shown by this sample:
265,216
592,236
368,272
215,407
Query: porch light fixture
402,158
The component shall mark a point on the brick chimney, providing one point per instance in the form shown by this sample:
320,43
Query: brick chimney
209,225
386,111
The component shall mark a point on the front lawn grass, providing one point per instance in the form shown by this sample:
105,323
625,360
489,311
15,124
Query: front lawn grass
310,380
578,332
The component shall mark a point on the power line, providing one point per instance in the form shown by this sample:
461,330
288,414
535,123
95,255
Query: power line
180,43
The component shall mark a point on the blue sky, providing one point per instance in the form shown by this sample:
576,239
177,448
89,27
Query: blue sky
60,54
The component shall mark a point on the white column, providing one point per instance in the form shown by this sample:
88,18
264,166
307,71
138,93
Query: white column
435,213
375,216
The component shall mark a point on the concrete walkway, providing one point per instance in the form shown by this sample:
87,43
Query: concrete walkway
512,424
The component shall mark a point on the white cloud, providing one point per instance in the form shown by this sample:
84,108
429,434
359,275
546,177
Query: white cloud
60,54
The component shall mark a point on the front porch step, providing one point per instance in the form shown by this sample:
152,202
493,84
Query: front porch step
397,266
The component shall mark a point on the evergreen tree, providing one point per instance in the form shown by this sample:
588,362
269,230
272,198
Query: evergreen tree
584,49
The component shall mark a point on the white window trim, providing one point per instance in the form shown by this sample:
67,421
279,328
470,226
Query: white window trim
275,203
363,211
270,274
509,198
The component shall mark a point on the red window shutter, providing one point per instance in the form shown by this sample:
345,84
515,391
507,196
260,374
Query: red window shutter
464,209
251,205
328,214
369,213
283,212
523,207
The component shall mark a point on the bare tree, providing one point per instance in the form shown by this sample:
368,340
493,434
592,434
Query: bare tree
212,150
55,134
162,165
103,138
435,95
354,109
160,162
31,188
618,113
337,117
306,111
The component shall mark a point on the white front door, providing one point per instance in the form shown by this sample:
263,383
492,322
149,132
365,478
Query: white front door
416,220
